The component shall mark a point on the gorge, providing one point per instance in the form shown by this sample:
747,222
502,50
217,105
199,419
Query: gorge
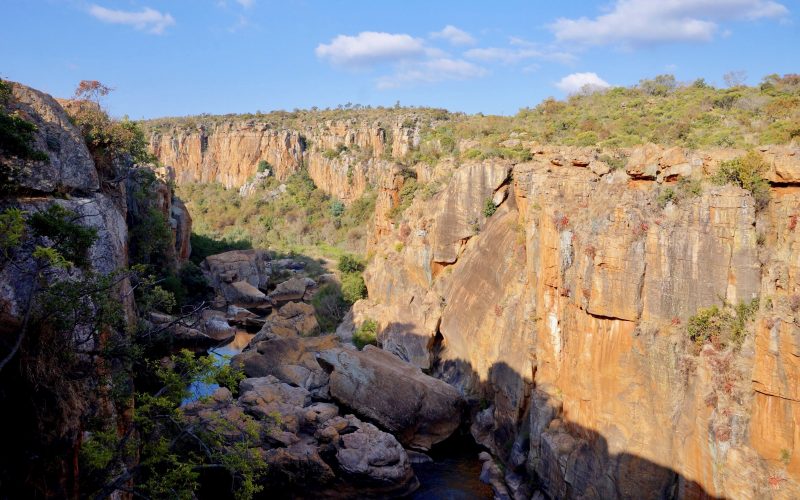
603,321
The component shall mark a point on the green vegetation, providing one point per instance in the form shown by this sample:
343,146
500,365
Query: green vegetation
723,326
106,138
684,189
746,172
168,448
366,334
350,264
298,218
330,307
407,194
489,207
263,166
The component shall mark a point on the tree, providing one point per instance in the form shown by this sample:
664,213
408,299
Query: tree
735,78
91,90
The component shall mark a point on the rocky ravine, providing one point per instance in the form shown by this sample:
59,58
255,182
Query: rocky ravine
301,386
562,317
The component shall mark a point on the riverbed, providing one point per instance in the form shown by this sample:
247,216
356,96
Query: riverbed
452,475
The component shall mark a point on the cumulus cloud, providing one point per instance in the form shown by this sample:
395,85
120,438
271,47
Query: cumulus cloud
577,82
454,35
432,71
640,22
370,47
149,20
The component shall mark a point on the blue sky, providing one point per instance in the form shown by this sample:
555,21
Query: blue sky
178,57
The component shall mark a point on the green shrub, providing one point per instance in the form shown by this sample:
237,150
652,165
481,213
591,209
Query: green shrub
263,166
746,172
665,196
350,264
337,208
353,288
366,334
489,207
726,325
330,306
69,238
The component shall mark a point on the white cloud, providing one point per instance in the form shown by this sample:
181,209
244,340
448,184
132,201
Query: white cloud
370,47
577,82
520,50
432,71
454,35
149,20
639,22
246,3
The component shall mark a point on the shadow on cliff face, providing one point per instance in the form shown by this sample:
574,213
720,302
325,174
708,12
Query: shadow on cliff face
540,448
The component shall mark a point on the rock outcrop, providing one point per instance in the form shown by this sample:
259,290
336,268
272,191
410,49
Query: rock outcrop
239,276
74,378
562,316
341,157
418,409
307,445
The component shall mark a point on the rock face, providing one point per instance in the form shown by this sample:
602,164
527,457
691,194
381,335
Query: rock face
563,317
229,152
69,179
69,167
419,410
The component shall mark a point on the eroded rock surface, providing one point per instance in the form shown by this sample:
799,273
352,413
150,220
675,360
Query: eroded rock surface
418,409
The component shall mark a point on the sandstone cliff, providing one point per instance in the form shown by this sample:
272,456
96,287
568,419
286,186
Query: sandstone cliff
342,157
563,315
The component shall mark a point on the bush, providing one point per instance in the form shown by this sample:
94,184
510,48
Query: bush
745,172
69,238
726,325
353,288
337,208
489,207
263,166
366,334
350,264
329,306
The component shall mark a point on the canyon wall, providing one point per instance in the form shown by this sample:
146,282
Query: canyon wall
342,157
47,406
564,316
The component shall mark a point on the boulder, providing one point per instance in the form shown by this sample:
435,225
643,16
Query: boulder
291,289
69,166
418,409
239,275
291,360
371,456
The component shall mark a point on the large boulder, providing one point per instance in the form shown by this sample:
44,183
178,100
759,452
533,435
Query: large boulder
69,166
290,359
418,409
367,455
292,320
291,289
239,275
